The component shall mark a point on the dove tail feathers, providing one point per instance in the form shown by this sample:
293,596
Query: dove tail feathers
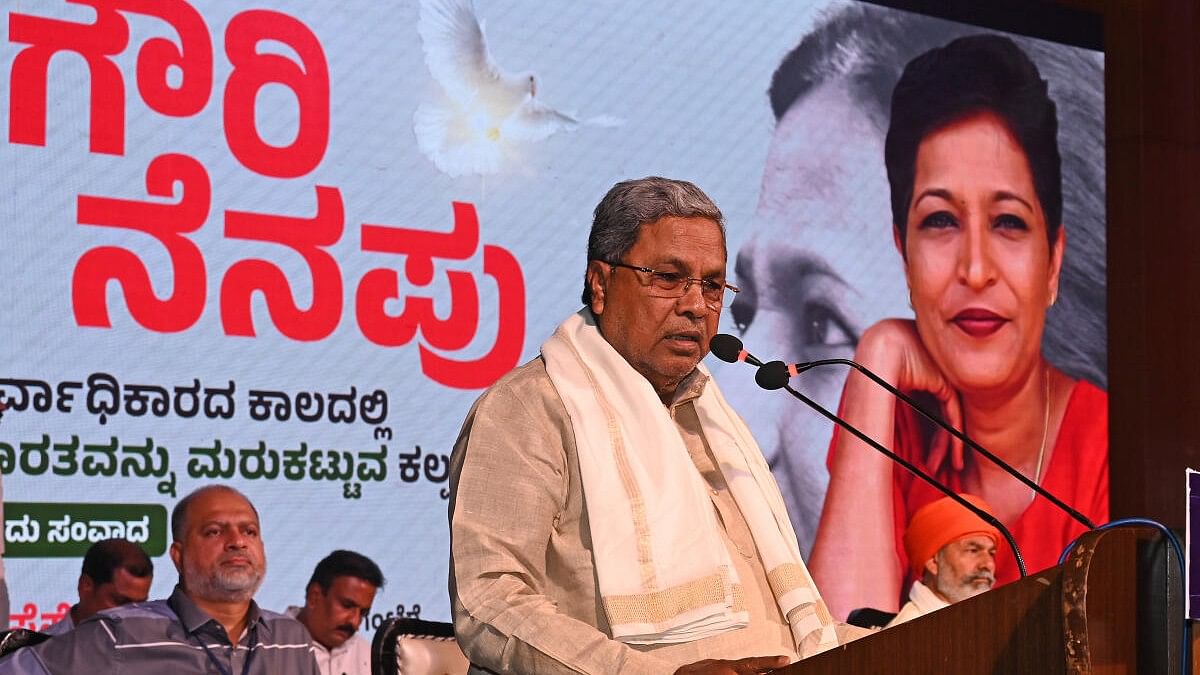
443,136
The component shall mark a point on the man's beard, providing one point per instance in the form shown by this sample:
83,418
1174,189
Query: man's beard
226,584
957,590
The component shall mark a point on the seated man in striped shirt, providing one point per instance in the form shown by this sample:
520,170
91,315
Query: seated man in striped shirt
210,624
115,572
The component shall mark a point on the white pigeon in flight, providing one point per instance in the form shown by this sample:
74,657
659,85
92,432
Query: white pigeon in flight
486,112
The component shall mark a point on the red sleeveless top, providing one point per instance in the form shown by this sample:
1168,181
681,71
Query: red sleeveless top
1077,474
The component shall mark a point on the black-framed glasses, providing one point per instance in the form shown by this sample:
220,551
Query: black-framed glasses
676,285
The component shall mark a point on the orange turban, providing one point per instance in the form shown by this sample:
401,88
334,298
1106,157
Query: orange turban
940,522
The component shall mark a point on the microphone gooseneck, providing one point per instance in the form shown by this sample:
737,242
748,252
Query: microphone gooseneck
775,375
912,468
787,371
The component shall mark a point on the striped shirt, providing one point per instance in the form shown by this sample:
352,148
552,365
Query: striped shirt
169,636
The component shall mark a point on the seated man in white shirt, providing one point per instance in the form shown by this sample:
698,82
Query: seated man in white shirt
952,551
338,596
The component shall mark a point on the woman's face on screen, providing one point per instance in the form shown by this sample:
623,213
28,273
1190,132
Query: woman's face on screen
978,263
819,268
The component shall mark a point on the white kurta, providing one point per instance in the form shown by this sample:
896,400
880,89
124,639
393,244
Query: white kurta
353,657
921,601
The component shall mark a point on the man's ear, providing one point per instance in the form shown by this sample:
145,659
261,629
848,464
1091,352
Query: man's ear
85,586
176,552
313,595
597,280
931,566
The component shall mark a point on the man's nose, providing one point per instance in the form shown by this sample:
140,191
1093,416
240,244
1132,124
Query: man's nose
692,300
235,539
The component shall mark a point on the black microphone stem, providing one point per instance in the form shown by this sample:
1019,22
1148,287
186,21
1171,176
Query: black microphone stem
987,517
1084,520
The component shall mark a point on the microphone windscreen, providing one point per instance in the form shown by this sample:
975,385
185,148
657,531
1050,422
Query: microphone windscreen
725,347
772,375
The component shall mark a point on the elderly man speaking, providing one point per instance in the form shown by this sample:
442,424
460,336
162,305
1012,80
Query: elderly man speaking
610,512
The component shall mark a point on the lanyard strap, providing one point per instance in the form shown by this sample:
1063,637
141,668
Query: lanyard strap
221,666
252,630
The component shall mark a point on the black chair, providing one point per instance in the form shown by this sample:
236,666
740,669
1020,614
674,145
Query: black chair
14,638
869,617
416,647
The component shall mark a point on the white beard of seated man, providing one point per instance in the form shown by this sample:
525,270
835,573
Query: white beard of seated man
953,551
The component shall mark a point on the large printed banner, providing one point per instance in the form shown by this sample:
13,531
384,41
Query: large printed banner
284,245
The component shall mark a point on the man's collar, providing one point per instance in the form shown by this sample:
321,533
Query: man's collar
925,598
192,617
690,388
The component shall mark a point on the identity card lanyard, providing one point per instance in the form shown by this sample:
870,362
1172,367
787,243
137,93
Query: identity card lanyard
208,652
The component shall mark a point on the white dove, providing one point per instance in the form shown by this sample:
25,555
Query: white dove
486,112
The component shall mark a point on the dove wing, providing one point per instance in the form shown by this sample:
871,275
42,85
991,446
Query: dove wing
535,122
456,50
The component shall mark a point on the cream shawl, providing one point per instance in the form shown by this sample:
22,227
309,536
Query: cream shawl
664,574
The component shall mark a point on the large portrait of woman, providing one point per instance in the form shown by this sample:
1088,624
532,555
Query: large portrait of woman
933,207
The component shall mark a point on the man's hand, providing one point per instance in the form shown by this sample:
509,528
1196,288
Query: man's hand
749,666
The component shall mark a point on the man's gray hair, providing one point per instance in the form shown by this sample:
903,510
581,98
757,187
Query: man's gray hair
632,203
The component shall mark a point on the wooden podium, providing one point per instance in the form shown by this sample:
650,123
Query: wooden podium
1114,606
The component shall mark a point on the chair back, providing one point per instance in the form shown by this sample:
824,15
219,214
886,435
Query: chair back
869,617
14,638
416,647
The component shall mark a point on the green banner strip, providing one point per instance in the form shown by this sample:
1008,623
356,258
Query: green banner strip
47,530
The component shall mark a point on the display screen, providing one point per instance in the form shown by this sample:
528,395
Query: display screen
285,245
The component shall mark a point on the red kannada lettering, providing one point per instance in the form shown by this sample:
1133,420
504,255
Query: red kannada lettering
502,266
306,236
166,223
253,70
28,618
193,58
175,78
460,327
96,43
51,618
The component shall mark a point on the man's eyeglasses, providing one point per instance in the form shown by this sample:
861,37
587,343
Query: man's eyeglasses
676,285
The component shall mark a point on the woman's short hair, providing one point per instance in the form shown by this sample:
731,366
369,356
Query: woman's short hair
970,75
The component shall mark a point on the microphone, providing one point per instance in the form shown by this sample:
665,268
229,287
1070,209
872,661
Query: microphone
777,374
774,375
729,349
